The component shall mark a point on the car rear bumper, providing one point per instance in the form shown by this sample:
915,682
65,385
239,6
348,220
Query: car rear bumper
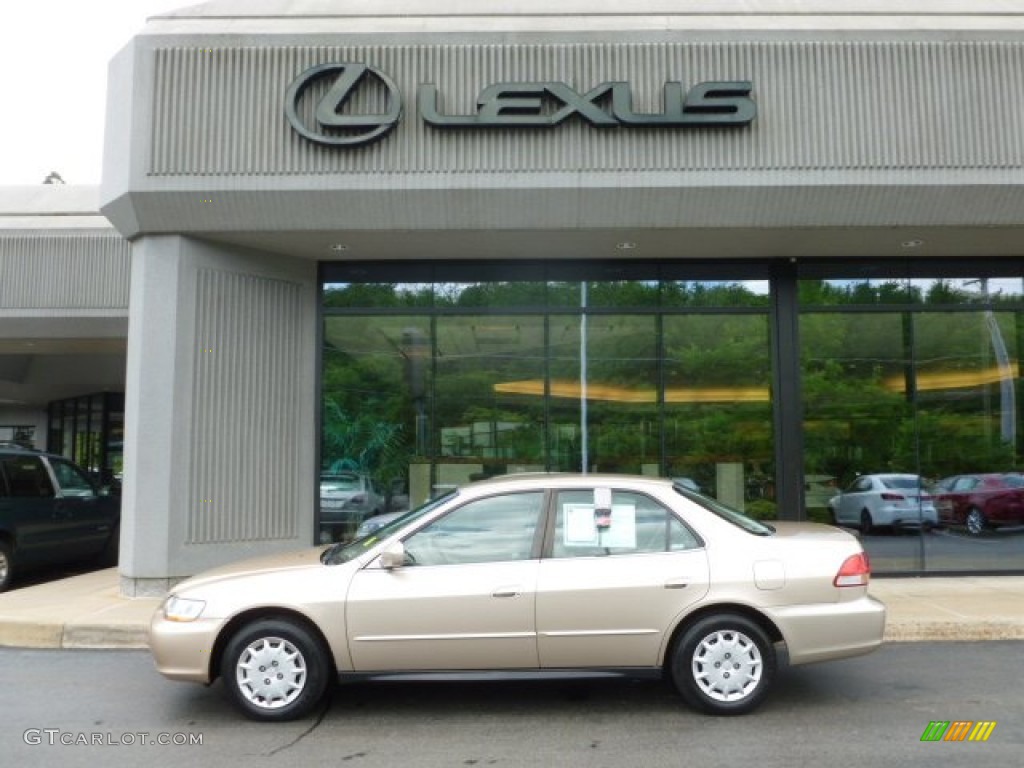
826,631
908,518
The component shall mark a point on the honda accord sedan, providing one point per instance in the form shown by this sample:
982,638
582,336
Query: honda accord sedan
533,573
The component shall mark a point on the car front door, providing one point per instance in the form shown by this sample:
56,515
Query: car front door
465,599
617,579
88,518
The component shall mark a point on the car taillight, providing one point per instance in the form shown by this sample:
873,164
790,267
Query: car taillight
854,572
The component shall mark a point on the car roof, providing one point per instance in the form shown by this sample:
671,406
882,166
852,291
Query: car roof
566,479
18,450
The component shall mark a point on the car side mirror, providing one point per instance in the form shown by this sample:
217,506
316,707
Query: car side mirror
393,557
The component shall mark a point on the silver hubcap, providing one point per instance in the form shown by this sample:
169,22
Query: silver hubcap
727,665
975,522
4,566
271,672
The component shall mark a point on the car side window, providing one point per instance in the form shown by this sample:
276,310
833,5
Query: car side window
494,529
72,480
27,478
964,484
637,524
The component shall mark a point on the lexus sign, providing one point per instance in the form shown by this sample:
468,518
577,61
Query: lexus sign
337,120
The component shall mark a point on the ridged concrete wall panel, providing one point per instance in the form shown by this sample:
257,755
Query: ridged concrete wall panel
64,272
247,412
825,105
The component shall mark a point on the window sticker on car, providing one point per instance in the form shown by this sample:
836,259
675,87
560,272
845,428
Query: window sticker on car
586,526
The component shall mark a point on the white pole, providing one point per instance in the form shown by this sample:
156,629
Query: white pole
584,458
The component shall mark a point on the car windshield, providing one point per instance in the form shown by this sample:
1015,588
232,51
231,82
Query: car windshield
726,512
342,552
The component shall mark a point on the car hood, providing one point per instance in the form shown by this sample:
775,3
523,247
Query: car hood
285,561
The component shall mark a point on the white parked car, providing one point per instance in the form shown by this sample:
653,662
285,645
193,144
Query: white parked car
531,574
889,500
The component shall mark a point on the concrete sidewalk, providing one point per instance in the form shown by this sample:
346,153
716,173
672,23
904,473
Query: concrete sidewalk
88,611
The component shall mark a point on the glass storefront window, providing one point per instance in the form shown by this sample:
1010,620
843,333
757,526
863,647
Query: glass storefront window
929,390
89,430
436,375
421,403
718,412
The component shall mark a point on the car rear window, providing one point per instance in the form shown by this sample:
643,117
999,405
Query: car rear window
906,483
727,513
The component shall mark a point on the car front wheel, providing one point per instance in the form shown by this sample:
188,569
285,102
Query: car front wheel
275,669
724,665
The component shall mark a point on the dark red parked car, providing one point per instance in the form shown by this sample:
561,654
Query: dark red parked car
981,501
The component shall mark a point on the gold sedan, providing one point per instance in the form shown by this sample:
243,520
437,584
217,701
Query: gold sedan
531,573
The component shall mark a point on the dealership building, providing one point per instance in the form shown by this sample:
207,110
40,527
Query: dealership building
768,246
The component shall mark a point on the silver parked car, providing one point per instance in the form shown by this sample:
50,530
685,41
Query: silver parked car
346,499
529,574
890,500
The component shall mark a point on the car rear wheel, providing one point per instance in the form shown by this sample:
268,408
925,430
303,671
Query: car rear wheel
976,521
6,565
867,525
724,665
275,669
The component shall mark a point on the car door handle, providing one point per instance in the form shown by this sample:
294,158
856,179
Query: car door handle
677,584
506,592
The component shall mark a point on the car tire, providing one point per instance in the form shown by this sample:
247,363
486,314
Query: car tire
724,665
6,566
276,670
975,521
867,525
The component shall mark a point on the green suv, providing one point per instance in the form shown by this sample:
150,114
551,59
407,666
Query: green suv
51,513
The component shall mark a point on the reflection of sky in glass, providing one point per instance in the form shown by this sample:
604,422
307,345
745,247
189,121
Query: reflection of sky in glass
996,286
756,287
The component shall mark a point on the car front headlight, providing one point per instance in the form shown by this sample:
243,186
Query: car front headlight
182,608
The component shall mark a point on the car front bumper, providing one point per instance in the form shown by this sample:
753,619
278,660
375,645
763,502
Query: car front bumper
183,650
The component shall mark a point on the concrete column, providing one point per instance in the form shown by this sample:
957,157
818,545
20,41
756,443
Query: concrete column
220,409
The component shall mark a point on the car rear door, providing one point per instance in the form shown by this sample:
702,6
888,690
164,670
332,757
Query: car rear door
616,580
27,499
465,599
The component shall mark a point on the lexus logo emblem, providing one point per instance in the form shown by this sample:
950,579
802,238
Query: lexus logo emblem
332,124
